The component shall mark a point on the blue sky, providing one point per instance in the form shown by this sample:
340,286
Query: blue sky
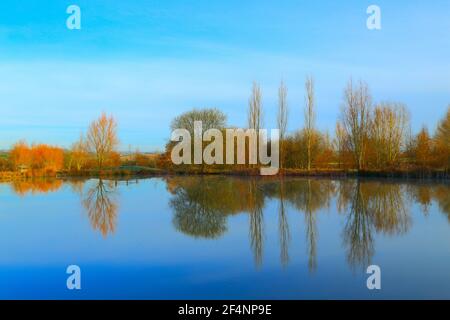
147,61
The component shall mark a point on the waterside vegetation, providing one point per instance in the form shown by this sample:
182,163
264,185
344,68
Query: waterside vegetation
369,139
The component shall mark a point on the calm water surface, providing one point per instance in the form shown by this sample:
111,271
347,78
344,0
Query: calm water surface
222,237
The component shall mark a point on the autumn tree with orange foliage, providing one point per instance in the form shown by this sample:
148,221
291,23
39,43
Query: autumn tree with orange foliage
423,148
102,139
47,159
20,155
443,140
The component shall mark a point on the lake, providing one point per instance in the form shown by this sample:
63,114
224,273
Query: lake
220,237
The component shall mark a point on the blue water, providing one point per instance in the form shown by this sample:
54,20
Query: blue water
224,238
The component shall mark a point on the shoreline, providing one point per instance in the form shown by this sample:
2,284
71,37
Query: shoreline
430,175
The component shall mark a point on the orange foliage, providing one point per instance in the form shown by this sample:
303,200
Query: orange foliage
114,159
47,158
324,159
39,186
20,155
441,157
40,159
422,150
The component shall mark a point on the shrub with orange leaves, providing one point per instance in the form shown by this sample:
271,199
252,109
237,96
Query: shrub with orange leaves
20,155
41,159
47,159
114,159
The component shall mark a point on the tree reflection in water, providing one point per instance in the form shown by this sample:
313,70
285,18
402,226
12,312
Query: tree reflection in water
316,194
77,185
358,234
201,206
373,207
442,195
35,186
256,206
195,214
283,226
307,196
101,206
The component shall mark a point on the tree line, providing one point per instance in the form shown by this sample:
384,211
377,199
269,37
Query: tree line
368,137
97,149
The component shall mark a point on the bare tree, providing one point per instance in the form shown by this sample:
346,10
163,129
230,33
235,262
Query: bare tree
102,138
388,132
309,117
282,117
255,112
79,154
255,108
356,110
340,142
